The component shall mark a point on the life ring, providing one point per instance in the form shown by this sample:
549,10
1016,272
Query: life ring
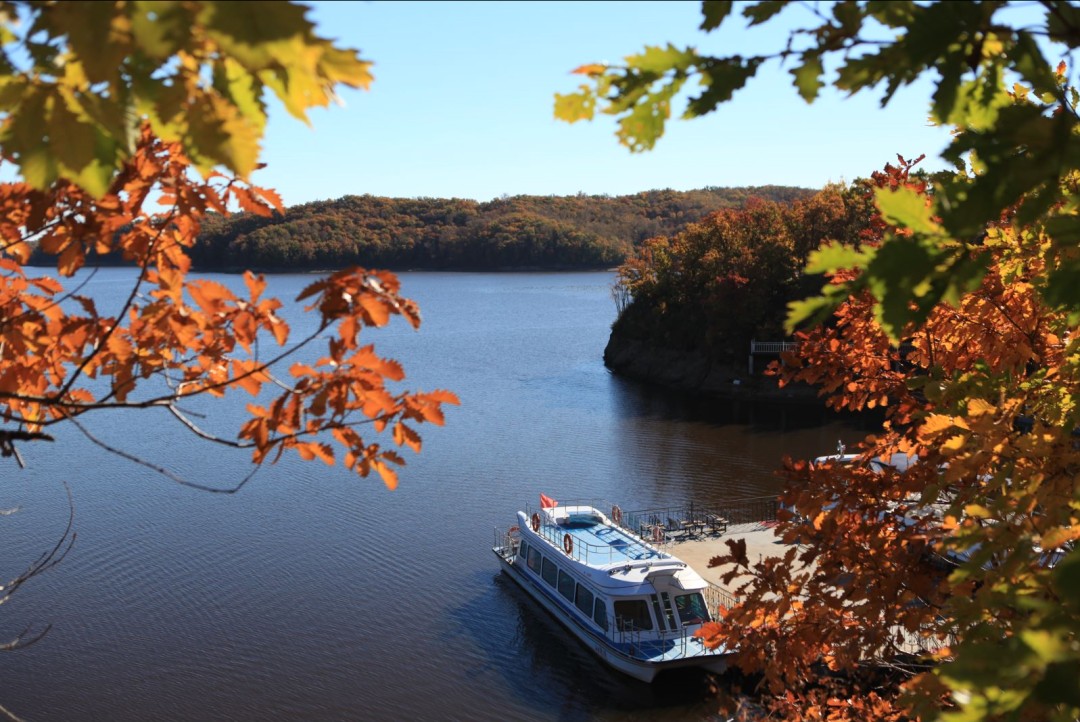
514,529
658,533
568,543
536,522
616,514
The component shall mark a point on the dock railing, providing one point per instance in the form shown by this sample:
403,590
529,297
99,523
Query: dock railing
693,519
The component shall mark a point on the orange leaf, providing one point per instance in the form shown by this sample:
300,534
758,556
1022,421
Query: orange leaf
256,285
375,309
246,378
251,203
210,295
589,69
389,476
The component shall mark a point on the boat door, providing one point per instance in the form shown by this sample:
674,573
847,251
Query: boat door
664,585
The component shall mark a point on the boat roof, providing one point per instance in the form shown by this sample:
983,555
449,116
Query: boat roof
606,552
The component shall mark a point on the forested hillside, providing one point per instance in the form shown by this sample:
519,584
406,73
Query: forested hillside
728,278
543,232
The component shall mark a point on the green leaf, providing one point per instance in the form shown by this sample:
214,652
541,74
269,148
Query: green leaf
643,126
573,107
817,309
254,33
96,34
1047,645
977,103
38,167
275,41
218,135
721,78
898,274
1058,686
84,154
832,257
1067,577
761,12
906,208
714,11
1062,22
660,60
243,89
808,76
849,15
1028,60
159,27
893,13
24,137
1063,285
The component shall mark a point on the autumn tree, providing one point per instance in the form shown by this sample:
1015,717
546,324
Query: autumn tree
728,278
947,588
122,125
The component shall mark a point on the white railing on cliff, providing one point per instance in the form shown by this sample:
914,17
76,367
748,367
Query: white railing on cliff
768,348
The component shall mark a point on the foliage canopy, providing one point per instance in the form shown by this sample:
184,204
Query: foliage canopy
1011,151
959,573
126,123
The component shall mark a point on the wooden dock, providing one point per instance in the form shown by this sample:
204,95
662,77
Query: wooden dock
761,543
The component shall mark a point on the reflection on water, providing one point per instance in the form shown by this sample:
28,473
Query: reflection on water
314,594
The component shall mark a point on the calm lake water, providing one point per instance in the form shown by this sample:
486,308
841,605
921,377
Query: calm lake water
314,594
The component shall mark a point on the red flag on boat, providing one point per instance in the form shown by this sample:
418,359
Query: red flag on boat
546,502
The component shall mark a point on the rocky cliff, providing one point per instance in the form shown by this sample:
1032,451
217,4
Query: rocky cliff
689,370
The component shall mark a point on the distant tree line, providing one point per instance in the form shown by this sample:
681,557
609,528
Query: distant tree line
543,232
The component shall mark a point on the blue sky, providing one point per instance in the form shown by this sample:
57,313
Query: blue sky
462,106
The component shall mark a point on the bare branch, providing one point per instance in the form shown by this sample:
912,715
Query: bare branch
160,469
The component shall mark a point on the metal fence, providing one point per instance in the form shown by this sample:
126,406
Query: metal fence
694,519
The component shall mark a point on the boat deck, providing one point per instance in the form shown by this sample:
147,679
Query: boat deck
602,544
667,650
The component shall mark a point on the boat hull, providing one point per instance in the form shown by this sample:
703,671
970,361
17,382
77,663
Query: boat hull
642,670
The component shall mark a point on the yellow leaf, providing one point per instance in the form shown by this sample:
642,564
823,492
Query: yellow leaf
954,444
1058,536
936,423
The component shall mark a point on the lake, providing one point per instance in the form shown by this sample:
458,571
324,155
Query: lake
316,594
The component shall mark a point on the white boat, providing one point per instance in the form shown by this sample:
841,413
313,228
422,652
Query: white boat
631,603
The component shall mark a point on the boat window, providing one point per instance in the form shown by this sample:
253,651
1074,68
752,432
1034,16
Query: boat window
599,614
579,521
659,616
523,550
692,609
632,614
534,559
668,613
550,572
584,600
566,585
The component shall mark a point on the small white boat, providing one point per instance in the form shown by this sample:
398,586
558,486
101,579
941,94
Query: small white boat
634,605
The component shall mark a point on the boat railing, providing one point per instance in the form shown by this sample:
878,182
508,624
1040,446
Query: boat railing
603,506
597,554
507,541
718,598
645,643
